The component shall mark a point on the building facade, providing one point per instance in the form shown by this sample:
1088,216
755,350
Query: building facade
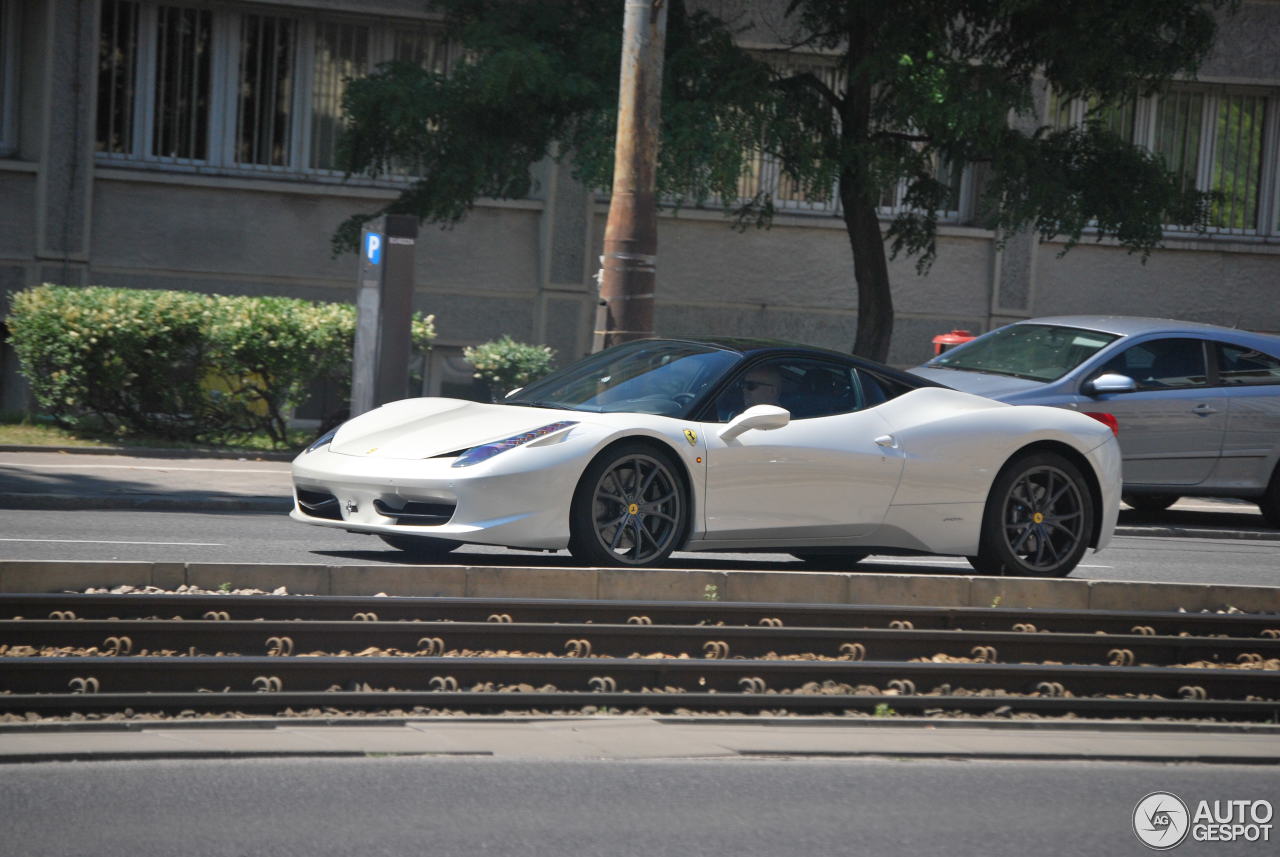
189,144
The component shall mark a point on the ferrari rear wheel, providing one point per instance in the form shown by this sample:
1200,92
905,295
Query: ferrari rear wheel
1038,520
830,561
421,547
629,508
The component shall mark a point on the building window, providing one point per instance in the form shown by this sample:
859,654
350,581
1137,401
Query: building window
117,60
190,86
1215,137
1237,161
265,108
180,100
341,53
8,77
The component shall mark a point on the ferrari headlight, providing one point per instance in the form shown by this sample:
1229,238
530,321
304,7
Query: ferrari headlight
477,454
322,440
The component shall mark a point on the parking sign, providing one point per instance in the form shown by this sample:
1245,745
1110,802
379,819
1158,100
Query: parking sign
373,248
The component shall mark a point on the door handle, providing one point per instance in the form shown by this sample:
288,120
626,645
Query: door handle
1204,410
887,440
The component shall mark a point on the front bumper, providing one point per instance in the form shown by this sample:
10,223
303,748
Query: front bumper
518,499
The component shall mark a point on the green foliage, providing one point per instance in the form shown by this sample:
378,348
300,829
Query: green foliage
883,709
860,97
505,364
179,365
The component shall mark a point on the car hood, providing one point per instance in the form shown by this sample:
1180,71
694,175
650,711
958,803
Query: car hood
423,428
1002,387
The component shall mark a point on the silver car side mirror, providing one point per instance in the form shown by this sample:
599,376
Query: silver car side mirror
1112,382
762,417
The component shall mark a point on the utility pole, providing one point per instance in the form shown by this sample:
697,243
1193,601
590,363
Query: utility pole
627,273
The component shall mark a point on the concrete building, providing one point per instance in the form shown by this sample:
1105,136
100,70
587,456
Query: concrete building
189,144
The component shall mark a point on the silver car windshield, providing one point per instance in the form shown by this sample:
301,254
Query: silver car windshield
648,377
1037,352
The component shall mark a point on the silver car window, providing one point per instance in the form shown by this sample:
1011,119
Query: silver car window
1162,364
1239,365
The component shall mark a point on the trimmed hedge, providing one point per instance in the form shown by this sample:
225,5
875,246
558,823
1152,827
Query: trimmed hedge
505,364
180,365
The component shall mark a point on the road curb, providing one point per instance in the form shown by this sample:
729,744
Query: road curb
701,738
148,502
154,452
612,584
1165,531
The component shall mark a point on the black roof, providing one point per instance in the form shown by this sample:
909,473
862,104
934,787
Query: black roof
752,347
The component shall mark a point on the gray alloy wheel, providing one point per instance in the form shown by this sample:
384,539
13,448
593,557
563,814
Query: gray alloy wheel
1038,520
629,508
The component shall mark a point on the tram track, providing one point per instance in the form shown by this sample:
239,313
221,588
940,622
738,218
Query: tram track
101,654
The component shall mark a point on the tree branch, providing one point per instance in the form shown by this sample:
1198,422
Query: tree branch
811,80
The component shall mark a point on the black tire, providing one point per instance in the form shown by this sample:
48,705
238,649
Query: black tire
830,561
1150,504
422,548
630,509
1270,501
1038,520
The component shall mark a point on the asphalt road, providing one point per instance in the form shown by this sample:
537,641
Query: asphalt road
472,806
157,536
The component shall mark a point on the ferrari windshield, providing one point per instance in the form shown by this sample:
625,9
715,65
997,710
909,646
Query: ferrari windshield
1038,352
649,377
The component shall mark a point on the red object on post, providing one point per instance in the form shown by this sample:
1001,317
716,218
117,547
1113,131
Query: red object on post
944,341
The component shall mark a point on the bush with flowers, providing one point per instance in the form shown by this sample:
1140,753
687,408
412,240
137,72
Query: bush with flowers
180,365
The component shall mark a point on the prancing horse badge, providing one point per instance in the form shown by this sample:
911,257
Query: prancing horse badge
691,436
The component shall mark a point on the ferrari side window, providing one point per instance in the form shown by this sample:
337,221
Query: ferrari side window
806,388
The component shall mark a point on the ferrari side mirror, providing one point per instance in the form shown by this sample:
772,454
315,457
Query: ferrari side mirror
762,417
1112,382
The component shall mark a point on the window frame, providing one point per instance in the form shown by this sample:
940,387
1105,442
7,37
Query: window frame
1146,126
226,46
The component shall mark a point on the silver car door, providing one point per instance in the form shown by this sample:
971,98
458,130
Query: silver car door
1250,380
1172,426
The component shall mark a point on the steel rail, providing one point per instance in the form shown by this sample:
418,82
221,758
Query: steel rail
274,674
291,637
323,607
412,703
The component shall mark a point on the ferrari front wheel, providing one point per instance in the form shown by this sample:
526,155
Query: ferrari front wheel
629,509
1038,519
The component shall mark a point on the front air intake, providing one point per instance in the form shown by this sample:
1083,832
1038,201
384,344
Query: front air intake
318,504
417,513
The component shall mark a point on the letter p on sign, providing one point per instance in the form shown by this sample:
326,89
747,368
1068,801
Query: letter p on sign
373,248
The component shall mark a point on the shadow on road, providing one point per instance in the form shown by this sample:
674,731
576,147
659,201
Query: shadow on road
684,562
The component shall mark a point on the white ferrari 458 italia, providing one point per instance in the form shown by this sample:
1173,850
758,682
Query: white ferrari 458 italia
723,444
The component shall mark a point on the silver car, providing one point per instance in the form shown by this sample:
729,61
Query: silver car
1197,406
